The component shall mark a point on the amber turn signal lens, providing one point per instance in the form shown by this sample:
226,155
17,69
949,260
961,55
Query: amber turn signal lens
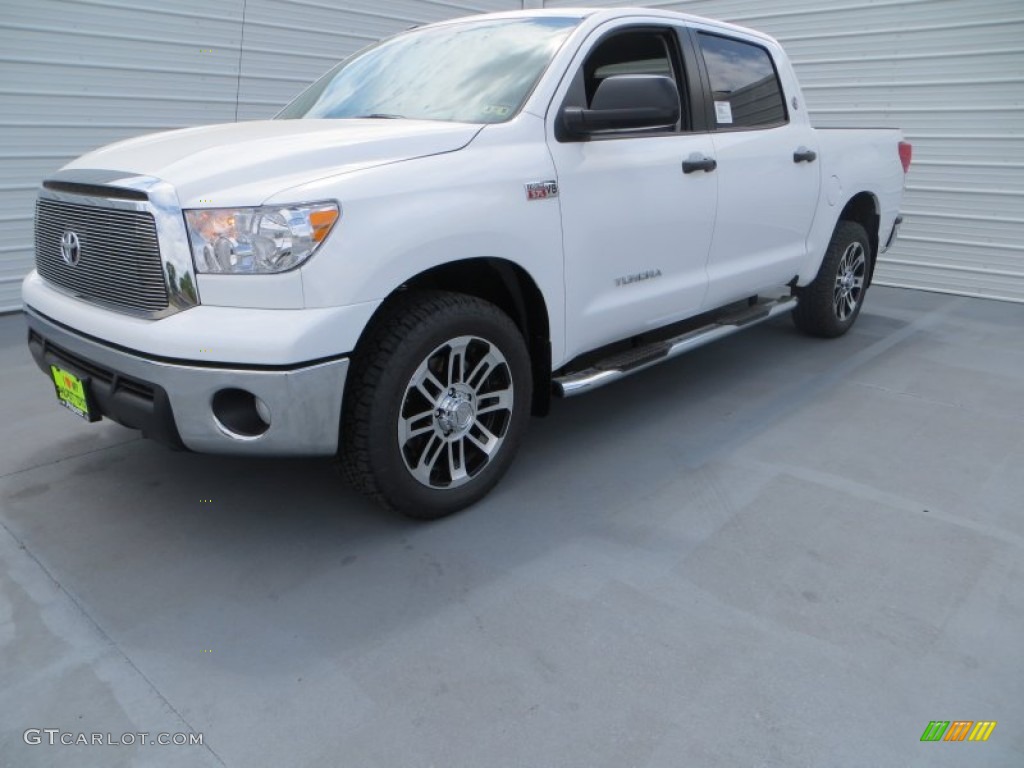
322,221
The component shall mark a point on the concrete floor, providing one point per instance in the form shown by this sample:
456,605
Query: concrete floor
776,551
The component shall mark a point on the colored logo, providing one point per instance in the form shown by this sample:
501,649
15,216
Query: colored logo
958,730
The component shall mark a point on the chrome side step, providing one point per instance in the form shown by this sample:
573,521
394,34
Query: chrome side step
625,363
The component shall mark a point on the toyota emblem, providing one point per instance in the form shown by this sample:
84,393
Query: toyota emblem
70,248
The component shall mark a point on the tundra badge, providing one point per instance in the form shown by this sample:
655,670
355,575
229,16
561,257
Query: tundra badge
645,275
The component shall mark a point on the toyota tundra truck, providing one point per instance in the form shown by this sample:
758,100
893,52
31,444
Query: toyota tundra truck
444,232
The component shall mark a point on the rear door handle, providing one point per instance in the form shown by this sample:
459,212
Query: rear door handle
697,162
804,155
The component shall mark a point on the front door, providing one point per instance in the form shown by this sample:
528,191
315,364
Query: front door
636,228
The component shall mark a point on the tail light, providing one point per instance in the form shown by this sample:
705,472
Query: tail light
906,152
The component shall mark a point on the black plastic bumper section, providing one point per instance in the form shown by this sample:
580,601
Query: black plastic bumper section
128,401
894,232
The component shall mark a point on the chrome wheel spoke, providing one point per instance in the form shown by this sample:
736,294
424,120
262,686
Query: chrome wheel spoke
498,400
457,361
414,426
456,461
487,442
482,370
428,458
427,383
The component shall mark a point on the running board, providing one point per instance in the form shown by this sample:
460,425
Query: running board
625,363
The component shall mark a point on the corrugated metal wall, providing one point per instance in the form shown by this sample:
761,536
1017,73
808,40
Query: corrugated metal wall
950,73
78,74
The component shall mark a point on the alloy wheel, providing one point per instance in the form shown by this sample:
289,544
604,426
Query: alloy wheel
849,281
455,412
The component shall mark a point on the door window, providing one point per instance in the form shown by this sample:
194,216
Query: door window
744,83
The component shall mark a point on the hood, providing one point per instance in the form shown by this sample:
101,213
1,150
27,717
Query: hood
237,164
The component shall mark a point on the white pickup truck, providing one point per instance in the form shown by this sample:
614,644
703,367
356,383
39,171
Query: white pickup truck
445,231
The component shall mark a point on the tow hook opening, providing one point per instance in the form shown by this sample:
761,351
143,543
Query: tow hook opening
240,414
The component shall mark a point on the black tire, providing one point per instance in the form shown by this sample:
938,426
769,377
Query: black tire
418,343
829,306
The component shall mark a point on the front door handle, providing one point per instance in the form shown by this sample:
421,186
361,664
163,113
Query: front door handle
804,155
697,162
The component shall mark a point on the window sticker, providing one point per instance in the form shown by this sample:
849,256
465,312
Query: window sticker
723,112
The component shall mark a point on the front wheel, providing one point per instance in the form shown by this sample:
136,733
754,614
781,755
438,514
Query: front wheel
437,402
829,306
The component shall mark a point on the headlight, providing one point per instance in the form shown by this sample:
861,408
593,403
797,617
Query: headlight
258,241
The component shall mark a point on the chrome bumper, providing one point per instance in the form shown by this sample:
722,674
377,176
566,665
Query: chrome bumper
304,401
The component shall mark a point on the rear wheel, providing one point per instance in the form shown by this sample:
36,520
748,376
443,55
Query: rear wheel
437,403
829,306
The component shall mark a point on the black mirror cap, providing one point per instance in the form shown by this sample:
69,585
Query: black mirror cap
635,91
626,102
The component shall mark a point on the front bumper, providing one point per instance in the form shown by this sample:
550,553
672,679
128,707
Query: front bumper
174,402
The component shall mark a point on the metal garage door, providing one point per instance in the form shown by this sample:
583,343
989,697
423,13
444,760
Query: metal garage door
951,74
77,74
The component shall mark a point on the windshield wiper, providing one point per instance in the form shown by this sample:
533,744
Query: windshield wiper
379,116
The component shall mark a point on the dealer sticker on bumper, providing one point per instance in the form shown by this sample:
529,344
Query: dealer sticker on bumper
71,392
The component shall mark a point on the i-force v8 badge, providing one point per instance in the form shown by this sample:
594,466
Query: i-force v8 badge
541,190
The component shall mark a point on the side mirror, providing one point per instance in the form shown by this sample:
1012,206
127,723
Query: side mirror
626,102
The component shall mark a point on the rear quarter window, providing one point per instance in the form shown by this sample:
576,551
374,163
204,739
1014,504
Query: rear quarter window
744,83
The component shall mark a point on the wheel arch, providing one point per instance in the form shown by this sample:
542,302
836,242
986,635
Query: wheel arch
506,285
863,208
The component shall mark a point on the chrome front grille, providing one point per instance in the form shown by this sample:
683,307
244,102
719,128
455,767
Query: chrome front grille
119,263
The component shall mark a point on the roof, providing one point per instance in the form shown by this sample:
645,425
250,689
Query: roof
608,14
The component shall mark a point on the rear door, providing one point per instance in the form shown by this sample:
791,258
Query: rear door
768,174
636,228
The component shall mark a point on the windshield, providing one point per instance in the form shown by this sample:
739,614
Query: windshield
473,72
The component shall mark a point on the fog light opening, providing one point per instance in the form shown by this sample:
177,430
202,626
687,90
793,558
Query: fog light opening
263,411
240,414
